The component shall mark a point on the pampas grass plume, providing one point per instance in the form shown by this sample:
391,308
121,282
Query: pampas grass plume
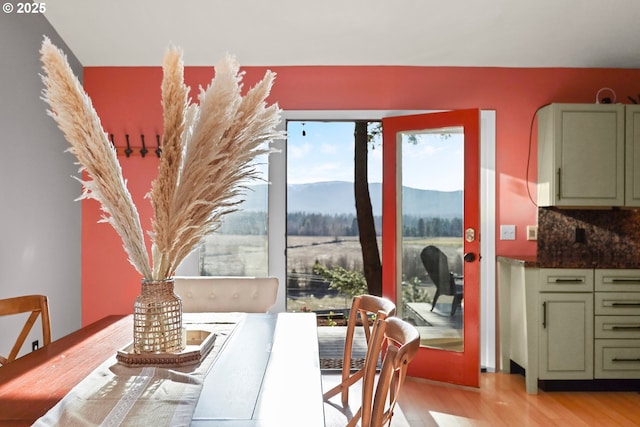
73,111
207,157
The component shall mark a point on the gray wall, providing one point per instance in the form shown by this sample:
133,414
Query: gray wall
40,223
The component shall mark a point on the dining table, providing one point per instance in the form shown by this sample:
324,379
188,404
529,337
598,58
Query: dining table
262,371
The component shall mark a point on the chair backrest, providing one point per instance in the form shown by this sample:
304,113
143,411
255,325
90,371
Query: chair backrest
363,307
37,305
437,265
402,341
226,294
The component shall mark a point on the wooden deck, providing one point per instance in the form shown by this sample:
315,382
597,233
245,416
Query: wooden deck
331,343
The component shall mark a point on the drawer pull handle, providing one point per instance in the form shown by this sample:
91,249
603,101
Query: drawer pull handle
626,328
625,281
625,304
568,281
615,359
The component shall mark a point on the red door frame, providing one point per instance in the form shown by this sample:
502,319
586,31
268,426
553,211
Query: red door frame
461,368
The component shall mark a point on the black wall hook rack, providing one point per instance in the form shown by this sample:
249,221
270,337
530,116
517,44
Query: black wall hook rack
142,149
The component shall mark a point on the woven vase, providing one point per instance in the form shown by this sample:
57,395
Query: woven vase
157,318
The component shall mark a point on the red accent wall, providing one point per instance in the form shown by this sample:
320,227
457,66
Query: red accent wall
128,101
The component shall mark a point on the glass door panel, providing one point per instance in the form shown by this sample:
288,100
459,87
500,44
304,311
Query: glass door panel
432,174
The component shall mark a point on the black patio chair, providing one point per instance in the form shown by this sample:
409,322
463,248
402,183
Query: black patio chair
437,265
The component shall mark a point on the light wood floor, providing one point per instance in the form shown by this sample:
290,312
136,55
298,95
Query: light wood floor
501,401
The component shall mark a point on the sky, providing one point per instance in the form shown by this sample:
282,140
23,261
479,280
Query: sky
325,153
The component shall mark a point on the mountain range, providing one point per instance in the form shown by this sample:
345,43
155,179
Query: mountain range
336,197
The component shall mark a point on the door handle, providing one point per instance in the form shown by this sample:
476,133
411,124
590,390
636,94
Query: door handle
469,257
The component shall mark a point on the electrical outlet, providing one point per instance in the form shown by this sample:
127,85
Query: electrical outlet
507,232
532,232
35,345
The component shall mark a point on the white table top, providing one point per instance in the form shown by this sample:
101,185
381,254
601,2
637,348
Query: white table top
268,374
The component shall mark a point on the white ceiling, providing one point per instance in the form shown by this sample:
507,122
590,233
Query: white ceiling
504,33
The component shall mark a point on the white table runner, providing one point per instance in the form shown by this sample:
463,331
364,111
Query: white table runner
116,395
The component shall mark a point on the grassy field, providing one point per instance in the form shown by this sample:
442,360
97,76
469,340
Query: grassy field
303,251
234,255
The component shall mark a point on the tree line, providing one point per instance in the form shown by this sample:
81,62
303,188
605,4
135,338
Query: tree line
316,224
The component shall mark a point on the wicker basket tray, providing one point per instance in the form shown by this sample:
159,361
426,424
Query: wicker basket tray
199,344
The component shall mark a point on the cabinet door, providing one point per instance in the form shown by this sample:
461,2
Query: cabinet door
566,336
632,155
581,155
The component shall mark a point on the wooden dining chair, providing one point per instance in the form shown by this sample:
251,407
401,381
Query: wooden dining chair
400,341
38,305
363,308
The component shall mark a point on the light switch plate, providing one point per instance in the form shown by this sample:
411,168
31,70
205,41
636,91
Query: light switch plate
507,232
532,232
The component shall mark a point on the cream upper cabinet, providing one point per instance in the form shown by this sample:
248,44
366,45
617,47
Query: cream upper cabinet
632,155
581,151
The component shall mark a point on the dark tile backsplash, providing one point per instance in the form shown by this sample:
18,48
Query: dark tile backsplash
569,238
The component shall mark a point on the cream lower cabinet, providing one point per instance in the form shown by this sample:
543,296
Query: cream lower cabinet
617,324
569,324
546,322
564,323
565,336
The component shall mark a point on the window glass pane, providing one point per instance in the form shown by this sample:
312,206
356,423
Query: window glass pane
432,221
240,246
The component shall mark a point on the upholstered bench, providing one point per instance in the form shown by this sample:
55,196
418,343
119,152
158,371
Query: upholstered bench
226,294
